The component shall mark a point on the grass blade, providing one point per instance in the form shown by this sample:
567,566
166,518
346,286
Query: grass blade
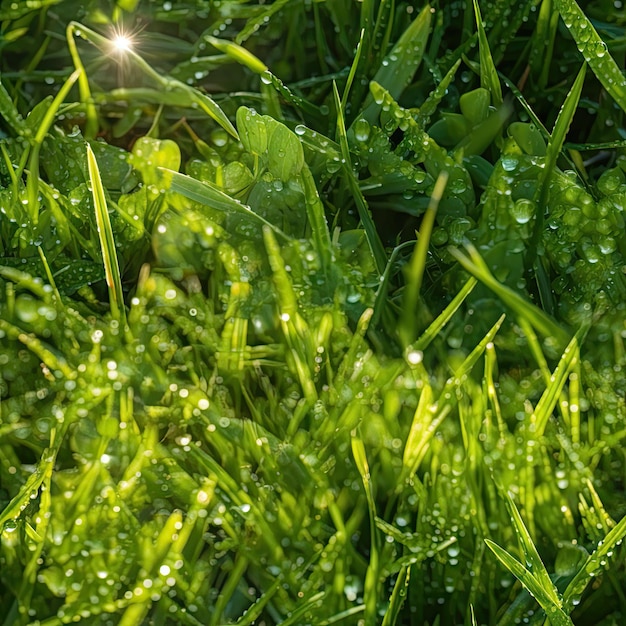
534,575
594,50
414,270
399,67
488,74
555,144
370,590
107,242
542,322
595,563
373,239
209,195
444,317
550,396
555,613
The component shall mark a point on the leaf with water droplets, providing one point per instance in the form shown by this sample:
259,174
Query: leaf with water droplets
594,50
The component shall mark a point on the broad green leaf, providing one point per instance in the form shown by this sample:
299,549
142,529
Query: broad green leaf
528,137
252,131
285,157
475,105
594,50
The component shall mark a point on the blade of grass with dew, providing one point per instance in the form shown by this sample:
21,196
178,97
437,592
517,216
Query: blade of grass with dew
295,617
107,242
594,50
209,195
9,112
488,74
534,576
32,184
595,563
408,325
429,107
317,221
475,265
253,612
554,612
54,362
295,329
444,317
353,70
399,67
370,586
398,597
371,233
542,42
227,591
555,144
549,398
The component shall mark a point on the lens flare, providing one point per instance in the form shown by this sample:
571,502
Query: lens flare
122,43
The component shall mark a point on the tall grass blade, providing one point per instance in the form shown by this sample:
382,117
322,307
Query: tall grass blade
207,194
594,50
398,597
370,589
107,242
444,317
488,73
414,270
555,613
373,239
399,67
550,396
533,575
555,144
595,563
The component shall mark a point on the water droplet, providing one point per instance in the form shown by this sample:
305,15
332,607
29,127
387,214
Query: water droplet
361,130
523,210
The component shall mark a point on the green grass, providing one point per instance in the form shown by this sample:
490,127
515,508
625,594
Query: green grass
306,316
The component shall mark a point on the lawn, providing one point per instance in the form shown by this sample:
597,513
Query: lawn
312,313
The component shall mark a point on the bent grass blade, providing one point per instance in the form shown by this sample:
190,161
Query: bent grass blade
107,242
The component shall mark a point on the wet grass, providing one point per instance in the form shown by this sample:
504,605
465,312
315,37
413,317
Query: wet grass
307,316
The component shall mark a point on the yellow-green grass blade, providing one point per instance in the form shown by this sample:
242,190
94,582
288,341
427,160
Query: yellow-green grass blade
444,317
370,586
414,270
555,613
107,242
595,563
550,396
210,195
